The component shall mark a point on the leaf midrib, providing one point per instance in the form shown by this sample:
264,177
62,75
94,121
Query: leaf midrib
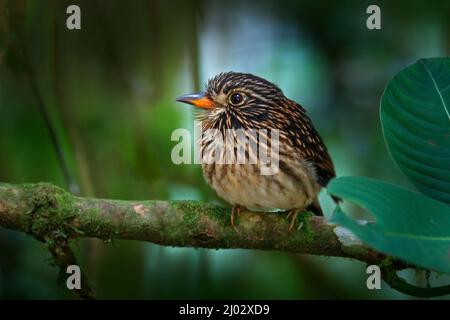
417,237
437,89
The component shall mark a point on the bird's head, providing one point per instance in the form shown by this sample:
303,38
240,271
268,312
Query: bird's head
237,100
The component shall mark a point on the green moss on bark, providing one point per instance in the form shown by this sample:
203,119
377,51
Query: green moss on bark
53,211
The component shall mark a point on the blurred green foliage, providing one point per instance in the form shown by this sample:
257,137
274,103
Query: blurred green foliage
109,91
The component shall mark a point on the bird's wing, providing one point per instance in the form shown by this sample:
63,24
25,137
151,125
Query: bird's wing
307,139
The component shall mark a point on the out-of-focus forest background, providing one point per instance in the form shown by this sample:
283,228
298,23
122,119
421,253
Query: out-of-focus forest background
108,91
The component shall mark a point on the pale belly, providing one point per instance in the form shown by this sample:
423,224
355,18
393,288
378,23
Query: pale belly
293,186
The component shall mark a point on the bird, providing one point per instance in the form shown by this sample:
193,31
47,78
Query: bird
235,101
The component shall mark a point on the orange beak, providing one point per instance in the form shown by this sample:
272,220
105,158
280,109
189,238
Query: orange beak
199,100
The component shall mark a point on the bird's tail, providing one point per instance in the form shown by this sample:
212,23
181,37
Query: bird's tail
315,208
336,199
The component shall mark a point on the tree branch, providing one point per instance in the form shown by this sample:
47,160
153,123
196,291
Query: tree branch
48,212
44,210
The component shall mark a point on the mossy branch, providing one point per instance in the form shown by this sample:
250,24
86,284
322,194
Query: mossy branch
48,212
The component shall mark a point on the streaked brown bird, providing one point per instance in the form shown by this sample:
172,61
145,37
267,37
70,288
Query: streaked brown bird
243,101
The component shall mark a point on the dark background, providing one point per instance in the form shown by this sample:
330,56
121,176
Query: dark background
108,91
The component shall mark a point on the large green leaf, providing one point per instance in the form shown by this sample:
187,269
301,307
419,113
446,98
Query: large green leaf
407,225
415,115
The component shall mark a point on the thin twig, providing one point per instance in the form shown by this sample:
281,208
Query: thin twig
391,277
64,257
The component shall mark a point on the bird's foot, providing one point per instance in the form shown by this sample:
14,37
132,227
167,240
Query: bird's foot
236,209
293,215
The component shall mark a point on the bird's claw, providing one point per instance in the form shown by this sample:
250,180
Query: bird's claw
236,209
293,213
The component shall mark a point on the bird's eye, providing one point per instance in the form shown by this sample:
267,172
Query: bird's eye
236,98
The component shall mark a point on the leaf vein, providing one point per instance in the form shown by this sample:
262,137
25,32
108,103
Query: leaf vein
437,89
